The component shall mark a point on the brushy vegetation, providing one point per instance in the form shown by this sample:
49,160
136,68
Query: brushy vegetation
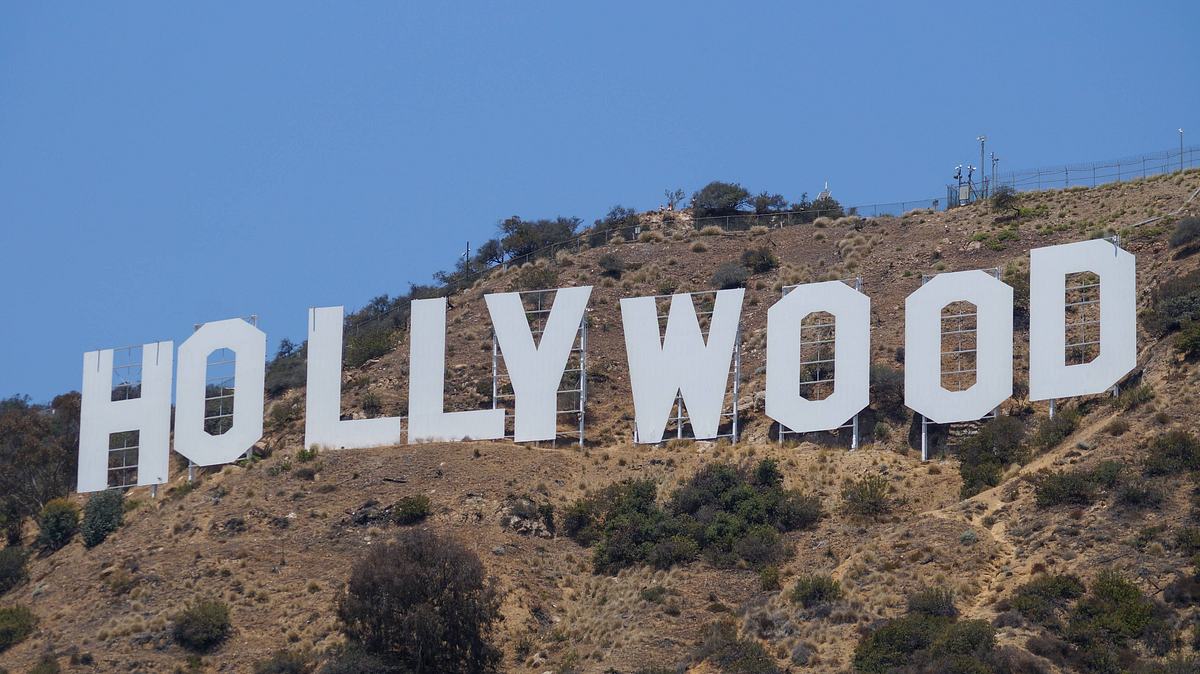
202,625
1052,431
984,456
1068,487
1187,342
16,623
288,369
58,522
1187,232
1098,631
730,275
813,589
368,344
868,496
411,509
285,662
759,260
1043,599
723,513
422,603
1176,303
933,601
1173,452
611,265
887,391
929,639
13,572
722,648
101,516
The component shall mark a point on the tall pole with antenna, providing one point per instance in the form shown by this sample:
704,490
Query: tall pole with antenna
983,188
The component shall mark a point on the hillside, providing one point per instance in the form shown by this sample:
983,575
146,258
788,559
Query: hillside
276,538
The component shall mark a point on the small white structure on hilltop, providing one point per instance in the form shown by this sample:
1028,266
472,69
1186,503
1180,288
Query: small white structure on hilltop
825,192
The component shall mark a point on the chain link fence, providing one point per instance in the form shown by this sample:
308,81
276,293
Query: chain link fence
1079,175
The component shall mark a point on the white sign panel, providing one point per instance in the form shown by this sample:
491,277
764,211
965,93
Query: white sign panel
1049,375
149,414
191,438
323,425
427,419
923,390
536,369
682,362
852,356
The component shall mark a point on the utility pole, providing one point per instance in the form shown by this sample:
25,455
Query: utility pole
994,160
1181,150
982,141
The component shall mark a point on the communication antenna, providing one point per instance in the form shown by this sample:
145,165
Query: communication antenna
982,142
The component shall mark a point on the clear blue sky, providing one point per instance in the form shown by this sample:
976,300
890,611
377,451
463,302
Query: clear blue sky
163,165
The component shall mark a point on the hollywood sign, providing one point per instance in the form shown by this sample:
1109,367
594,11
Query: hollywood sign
682,362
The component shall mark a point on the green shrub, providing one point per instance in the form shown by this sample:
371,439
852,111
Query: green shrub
367,344
1171,453
12,567
1041,599
811,590
101,516
422,603
611,265
371,405
887,391
726,514
1051,432
933,601
1188,540
722,648
1176,302
867,496
16,623
759,260
411,509
1187,232
1140,496
897,643
1072,487
1188,341
966,639
1134,396
730,275
768,578
1115,611
202,625
984,456
536,277
58,523
285,662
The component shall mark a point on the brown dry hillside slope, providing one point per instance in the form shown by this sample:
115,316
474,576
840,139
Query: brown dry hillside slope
276,540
